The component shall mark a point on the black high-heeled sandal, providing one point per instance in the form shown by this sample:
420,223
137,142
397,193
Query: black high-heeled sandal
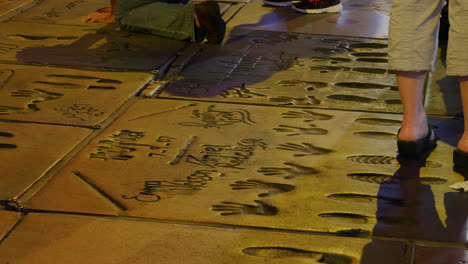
418,147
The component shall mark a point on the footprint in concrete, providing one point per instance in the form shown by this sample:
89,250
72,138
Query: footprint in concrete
386,160
379,121
373,159
293,171
354,197
352,98
432,181
230,208
364,86
307,149
371,177
368,45
369,54
287,252
297,131
308,115
372,60
366,198
380,178
346,217
376,135
270,187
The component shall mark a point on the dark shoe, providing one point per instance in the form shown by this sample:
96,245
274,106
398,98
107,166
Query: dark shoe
418,147
200,35
280,3
318,6
211,22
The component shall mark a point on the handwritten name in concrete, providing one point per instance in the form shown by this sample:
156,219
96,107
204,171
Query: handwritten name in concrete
227,156
152,190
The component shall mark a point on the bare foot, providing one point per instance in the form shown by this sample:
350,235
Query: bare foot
414,129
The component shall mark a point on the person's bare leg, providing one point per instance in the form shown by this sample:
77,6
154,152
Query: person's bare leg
411,86
463,143
197,23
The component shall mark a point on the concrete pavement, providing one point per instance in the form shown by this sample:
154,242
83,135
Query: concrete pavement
276,147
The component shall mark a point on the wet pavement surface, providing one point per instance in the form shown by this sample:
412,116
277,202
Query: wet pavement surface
278,146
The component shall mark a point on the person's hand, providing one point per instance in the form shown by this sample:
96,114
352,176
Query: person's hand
102,15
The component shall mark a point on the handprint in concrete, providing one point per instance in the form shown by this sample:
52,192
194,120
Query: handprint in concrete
41,95
307,115
297,131
231,208
8,110
307,149
290,172
270,187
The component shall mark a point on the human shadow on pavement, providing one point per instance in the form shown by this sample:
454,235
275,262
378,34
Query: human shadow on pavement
406,209
103,48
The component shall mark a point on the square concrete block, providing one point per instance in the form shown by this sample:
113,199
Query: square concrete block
64,96
331,172
46,238
294,70
28,151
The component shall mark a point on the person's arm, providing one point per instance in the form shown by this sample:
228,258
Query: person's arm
102,15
